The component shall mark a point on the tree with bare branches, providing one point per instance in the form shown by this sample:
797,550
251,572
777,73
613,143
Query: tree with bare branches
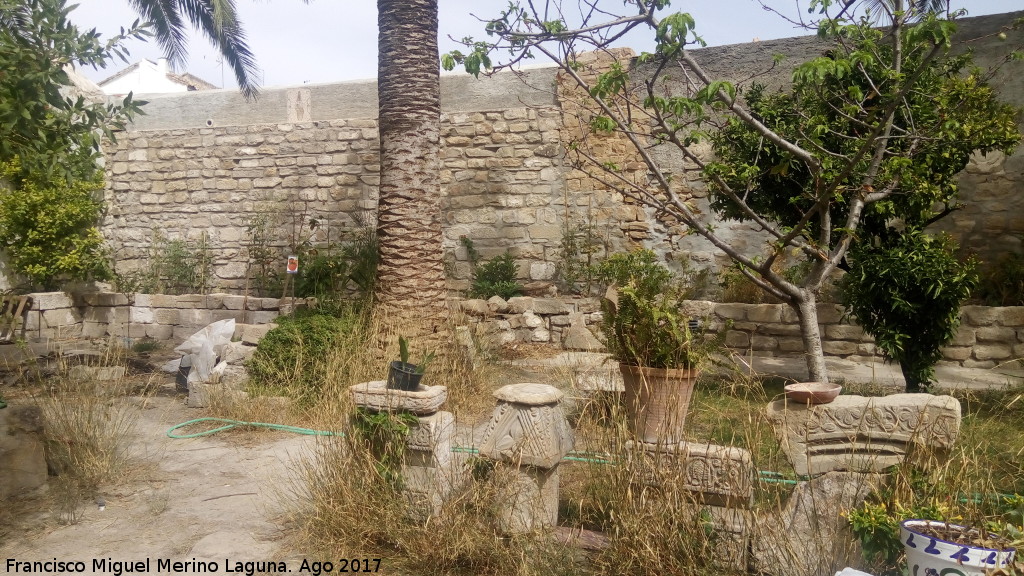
868,135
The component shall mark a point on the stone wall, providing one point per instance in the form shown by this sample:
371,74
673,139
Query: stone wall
56,315
204,165
988,336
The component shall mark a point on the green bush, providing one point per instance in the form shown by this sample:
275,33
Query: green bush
328,273
49,230
906,292
174,267
643,326
496,277
292,359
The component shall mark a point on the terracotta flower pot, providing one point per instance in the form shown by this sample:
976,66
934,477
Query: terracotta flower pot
657,401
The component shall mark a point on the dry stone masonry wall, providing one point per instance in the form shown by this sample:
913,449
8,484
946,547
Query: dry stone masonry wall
203,165
56,315
988,336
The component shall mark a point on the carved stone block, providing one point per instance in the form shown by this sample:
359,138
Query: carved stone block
720,480
718,475
528,427
377,396
529,501
862,434
529,431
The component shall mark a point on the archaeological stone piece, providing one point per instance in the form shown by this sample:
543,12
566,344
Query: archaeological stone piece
720,479
528,430
862,434
527,427
810,535
430,471
22,460
377,396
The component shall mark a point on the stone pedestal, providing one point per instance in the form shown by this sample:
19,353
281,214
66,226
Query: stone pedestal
863,434
430,472
22,460
720,480
529,431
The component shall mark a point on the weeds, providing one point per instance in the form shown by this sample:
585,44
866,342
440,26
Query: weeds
496,277
174,267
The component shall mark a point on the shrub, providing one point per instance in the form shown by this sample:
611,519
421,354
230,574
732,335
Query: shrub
175,267
49,229
329,272
292,358
643,325
496,277
906,292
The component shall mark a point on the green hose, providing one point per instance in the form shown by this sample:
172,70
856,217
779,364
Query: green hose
233,423
575,455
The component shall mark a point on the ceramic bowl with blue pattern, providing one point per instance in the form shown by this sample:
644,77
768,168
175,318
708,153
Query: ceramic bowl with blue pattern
928,554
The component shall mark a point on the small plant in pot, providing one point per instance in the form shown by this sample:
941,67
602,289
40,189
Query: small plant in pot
658,354
404,375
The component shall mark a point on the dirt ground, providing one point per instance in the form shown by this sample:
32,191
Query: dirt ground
219,498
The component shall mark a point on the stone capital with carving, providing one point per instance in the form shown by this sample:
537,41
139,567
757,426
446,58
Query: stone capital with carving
862,434
527,427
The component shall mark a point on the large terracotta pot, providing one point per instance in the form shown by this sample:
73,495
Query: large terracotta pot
657,401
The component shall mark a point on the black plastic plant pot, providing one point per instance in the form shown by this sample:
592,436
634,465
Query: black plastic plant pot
402,376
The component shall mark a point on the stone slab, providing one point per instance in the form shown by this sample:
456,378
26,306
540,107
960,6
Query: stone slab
810,535
252,333
716,475
377,396
862,434
22,459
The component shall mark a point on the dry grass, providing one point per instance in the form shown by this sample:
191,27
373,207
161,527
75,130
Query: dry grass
347,502
88,426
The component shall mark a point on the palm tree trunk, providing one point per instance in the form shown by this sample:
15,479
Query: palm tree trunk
410,278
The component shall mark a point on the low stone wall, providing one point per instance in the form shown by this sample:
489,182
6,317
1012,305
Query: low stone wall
988,336
56,315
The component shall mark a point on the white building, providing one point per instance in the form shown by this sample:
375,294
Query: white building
147,77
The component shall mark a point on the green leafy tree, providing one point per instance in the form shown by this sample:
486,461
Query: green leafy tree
49,231
54,132
50,135
870,131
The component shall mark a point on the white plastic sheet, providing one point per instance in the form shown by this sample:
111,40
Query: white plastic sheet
205,347
851,572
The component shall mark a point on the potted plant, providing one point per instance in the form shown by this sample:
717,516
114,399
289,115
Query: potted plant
658,354
942,548
403,375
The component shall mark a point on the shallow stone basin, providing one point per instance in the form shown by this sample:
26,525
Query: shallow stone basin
375,395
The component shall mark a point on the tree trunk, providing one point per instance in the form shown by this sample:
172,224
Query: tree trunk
410,286
807,311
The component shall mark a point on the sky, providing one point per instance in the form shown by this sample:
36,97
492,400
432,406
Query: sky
335,40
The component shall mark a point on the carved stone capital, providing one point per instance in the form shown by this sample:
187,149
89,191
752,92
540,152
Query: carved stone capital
863,434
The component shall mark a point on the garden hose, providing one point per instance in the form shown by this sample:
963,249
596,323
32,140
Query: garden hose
766,476
229,424
574,456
